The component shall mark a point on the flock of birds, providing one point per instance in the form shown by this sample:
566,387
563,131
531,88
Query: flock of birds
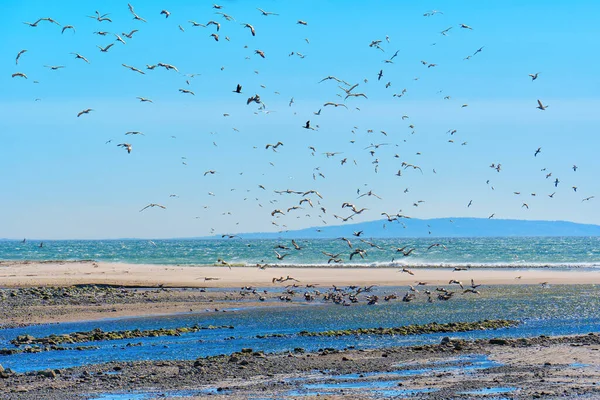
347,296
290,203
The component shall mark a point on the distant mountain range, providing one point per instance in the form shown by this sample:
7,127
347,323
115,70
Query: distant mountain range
439,227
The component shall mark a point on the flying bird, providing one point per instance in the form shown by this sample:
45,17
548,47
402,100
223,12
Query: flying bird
79,56
19,56
266,13
251,29
541,106
86,111
134,69
154,205
127,147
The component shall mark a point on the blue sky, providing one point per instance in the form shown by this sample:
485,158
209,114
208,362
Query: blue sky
60,179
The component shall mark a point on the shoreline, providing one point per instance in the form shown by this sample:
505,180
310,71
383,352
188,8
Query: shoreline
21,274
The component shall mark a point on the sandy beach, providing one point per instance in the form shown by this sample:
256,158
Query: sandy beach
67,273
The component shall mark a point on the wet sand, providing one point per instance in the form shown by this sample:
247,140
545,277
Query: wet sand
31,274
542,367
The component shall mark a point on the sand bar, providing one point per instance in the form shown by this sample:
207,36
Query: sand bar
27,274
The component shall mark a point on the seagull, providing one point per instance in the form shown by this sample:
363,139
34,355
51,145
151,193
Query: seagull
134,133
127,146
274,146
67,27
187,91
539,149
19,74
143,100
307,125
194,23
238,89
86,111
166,13
251,29
103,49
77,55
302,22
133,69
260,53
541,106
135,16
266,13
167,66
534,76
465,26
19,56
130,34
154,205
335,104
587,199
227,17
99,17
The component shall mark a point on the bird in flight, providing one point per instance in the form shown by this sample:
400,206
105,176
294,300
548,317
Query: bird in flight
19,75
126,146
99,17
154,205
19,56
538,151
252,30
134,69
541,106
144,100
86,111
130,34
266,13
534,76
77,55
307,125
135,16
104,49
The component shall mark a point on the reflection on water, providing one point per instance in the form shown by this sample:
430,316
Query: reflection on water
556,310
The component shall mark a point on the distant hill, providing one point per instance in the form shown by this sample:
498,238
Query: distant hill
439,227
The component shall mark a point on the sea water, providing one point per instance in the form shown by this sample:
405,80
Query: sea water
506,252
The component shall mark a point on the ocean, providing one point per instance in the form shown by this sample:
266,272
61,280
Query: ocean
505,252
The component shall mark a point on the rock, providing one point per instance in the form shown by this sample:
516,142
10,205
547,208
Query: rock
1,368
48,373
500,342
445,340
233,359
247,351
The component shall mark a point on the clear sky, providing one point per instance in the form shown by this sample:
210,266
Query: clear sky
60,179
